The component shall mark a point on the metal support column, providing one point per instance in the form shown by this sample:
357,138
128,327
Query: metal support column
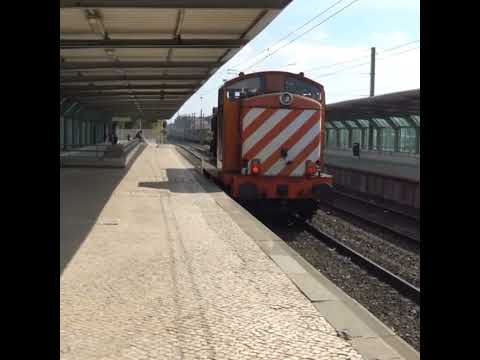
73,130
363,132
75,124
396,140
82,132
370,134
417,140
379,139
62,132
327,137
65,136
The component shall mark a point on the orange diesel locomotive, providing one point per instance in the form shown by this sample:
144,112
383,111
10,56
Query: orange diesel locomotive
268,137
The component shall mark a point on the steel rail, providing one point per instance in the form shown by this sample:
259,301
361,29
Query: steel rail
386,208
401,285
413,239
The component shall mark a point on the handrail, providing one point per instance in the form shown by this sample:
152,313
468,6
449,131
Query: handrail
130,144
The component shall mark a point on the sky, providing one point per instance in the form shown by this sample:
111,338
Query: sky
336,53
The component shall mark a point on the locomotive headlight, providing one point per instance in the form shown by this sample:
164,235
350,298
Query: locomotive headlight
311,168
286,99
255,167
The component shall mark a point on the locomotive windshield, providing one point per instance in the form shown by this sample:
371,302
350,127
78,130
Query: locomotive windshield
268,83
245,88
300,87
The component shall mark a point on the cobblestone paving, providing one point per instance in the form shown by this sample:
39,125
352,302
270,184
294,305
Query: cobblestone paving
165,273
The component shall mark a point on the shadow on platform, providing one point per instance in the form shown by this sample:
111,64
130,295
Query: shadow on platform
180,181
83,194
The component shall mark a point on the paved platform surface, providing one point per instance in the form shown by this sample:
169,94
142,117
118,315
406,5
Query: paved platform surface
404,166
152,267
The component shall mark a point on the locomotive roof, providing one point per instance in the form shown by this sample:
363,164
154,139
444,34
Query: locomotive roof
254,74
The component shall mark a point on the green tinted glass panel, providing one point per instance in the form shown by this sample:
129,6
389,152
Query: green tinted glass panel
351,123
365,139
331,138
416,119
374,140
364,123
343,138
388,139
408,140
380,122
399,121
356,136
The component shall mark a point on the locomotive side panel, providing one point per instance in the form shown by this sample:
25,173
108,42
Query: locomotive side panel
231,136
219,132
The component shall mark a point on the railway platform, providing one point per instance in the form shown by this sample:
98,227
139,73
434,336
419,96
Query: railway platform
158,263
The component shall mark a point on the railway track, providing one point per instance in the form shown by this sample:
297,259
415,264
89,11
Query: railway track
390,209
402,286
199,148
394,222
197,156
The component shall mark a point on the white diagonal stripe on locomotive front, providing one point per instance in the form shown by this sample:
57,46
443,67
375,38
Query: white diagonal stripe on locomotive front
251,115
264,129
295,150
313,156
278,140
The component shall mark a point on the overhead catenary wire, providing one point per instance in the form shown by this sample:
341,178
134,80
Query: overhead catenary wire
402,45
361,57
292,32
366,63
352,59
305,32
210,90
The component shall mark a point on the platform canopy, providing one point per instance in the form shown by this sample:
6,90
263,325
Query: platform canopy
145,58
404,103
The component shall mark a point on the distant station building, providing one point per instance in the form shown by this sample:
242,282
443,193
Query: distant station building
386,131
389,122
192,122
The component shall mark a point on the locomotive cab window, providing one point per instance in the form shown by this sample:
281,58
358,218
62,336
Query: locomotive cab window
245,88
301,87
